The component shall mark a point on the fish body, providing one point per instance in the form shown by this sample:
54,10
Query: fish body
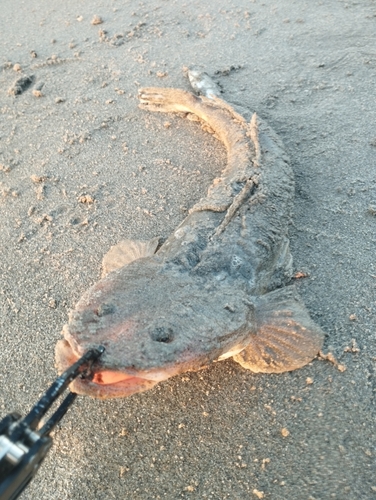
217,286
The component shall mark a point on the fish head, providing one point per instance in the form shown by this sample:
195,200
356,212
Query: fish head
154,323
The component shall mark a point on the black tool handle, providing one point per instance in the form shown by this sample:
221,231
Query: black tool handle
21,475
22,447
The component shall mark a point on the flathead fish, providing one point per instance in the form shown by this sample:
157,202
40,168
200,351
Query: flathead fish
218,287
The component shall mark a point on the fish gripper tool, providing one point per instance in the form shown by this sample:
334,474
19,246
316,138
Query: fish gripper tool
24,443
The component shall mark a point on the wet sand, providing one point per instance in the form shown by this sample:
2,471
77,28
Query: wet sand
81,167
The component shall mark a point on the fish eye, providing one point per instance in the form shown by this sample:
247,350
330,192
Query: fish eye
162,334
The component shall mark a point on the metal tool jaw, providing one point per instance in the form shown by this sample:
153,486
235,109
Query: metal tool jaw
23,446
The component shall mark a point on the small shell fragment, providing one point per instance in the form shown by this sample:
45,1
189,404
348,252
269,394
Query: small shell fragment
285,432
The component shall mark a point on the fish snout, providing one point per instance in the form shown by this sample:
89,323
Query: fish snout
78,318
82,321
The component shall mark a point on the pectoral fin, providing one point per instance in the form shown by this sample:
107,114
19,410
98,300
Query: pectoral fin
286,337
127,251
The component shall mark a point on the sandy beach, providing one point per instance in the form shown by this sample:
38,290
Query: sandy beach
82,167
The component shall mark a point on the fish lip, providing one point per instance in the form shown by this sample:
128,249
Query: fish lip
134,381
120,389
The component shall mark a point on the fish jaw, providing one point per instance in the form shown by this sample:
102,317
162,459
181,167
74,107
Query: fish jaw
106,383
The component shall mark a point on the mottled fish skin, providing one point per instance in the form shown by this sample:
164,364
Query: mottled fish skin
214,289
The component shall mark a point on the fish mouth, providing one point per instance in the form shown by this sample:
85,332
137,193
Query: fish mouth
105,383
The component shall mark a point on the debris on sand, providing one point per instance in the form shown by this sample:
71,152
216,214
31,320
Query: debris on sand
329,357
20,85
5,168
353,348
96,20
86,199
37,90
